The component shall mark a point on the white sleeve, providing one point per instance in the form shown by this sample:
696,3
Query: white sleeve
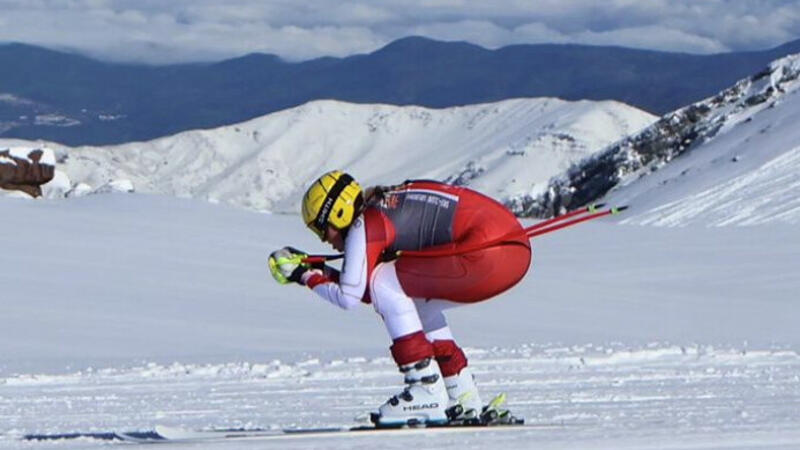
353,278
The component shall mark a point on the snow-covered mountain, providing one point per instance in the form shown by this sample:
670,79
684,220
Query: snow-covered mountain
731,159
505,149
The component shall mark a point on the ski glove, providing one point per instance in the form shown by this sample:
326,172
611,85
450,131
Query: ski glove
287,266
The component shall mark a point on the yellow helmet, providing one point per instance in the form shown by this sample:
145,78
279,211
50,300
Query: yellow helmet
334,199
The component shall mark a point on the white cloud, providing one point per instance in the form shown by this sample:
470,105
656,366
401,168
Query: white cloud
653,37
189,30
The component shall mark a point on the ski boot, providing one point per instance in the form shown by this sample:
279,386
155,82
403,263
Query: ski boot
423,402
464,406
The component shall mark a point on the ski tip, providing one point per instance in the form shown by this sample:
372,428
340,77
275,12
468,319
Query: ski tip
596,206
618,209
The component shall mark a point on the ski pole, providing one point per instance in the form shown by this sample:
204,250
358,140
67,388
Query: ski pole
533,232
577,212
316,259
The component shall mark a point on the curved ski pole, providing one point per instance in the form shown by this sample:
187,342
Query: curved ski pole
591,209
595,215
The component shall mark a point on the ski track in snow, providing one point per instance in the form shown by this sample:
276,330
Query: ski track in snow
684,397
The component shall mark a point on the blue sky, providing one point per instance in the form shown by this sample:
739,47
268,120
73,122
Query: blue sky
165,31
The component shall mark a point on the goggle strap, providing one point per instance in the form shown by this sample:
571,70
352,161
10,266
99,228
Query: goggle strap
321,221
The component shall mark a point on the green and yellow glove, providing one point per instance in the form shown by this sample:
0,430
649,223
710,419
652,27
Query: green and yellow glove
287,266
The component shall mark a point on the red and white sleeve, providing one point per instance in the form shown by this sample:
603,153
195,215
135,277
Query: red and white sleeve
353,279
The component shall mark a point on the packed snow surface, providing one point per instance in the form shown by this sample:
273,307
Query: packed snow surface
596,396
126,311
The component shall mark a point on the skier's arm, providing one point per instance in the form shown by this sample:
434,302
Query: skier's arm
347,293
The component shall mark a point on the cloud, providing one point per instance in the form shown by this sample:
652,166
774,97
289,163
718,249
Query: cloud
160,31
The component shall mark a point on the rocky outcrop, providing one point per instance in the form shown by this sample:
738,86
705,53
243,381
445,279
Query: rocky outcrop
671,136
26,170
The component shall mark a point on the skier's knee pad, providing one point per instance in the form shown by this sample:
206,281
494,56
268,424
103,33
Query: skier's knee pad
450,357
411,348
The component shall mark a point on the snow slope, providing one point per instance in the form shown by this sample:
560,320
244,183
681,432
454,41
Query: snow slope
598,397
265,164
729,159
748,173
124,311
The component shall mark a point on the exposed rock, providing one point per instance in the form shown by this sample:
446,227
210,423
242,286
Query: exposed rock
671,136
115,186
467,174
26,170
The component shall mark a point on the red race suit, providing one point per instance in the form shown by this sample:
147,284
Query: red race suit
428,216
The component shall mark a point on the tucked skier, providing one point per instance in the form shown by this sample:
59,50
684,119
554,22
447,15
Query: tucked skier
413,251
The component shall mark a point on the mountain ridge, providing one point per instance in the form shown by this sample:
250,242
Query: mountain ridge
734,141
108,103
265,163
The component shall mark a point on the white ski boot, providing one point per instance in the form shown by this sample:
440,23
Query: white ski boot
423,401
464,401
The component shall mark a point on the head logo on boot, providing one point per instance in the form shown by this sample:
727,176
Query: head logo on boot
421,406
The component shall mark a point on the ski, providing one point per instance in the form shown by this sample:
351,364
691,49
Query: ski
493,417
132,436
167,434
176,434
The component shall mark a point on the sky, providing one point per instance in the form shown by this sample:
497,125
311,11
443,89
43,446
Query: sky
172,31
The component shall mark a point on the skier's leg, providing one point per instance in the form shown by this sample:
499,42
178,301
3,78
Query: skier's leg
425,396
458,377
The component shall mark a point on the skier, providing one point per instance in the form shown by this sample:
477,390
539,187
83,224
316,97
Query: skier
413,251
